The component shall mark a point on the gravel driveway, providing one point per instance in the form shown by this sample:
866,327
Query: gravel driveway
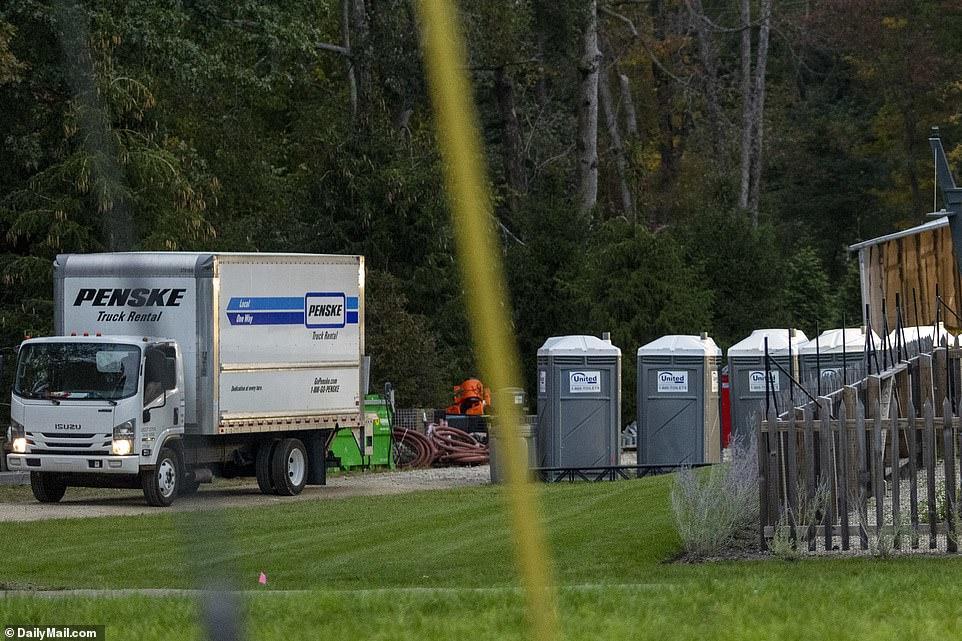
18,504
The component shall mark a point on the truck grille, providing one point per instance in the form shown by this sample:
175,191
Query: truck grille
68,444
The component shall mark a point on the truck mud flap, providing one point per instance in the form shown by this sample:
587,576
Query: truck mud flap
316,443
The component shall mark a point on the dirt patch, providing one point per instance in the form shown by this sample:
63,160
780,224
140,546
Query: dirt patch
743,548
18,504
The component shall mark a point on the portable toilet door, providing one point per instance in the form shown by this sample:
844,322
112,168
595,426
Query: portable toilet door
746,372
579,402
678,401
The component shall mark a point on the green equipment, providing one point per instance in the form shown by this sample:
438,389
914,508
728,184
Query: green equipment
372,448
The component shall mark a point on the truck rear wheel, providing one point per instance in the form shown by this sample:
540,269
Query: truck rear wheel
161,484
47,487
289,467
262,465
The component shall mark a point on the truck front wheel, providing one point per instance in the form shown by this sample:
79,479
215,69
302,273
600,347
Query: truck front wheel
289,467
47,487
161,484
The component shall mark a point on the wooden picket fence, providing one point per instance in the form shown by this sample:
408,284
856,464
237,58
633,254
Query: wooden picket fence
869,468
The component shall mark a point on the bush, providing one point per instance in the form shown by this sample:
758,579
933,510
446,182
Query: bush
715,508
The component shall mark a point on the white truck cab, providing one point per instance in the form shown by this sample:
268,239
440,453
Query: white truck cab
97,405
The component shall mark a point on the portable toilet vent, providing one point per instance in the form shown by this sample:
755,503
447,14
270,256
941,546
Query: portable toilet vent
746,374
579,402
834,350
678,401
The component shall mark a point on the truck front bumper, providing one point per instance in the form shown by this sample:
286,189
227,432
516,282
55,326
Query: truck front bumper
75,464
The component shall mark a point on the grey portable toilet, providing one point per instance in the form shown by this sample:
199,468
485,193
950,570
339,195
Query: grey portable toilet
829,353
746,374
678,401
579,402
921,338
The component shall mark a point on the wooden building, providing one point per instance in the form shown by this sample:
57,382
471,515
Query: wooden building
919,259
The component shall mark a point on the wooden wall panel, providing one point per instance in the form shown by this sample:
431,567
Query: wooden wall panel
921,261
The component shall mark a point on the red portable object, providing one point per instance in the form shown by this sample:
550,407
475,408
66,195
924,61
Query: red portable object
726,410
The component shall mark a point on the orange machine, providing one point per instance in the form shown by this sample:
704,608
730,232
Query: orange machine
471,398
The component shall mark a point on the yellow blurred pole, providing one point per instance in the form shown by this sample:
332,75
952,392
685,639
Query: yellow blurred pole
459,140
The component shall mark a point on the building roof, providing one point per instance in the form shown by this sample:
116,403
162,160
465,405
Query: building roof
941,221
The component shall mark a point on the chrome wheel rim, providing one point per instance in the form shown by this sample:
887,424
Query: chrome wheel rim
167,477
296,466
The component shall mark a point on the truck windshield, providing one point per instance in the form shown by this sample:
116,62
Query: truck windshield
77,371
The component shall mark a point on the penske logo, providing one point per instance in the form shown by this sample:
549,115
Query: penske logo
329,310
129,297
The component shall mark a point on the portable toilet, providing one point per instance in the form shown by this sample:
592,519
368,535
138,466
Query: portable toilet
579,402
918,339
746,374
678,401
833,350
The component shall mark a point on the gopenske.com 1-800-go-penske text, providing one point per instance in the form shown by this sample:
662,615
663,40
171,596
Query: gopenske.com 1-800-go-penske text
41,632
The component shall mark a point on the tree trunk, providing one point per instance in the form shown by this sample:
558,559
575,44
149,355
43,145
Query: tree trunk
348,60
709,63
746,78
511,143
668,150
614,135
758,110
361,55
631,120
588,113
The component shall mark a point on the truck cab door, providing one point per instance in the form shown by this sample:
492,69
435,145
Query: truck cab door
163,396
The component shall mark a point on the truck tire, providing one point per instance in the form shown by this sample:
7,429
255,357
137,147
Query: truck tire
289,467
47,487
163,482
262,465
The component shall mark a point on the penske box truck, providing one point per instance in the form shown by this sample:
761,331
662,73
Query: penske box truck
169,368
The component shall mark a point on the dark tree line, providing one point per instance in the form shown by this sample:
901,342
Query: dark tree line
658,165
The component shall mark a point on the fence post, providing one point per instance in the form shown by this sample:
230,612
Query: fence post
896,486
926,380
842,458
873,395
810,472
827,466
929,462
762,453
774,471
939,378
791,474
948,454
878,462
912,433
862,474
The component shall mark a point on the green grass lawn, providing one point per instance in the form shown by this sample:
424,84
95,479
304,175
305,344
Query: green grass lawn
439,565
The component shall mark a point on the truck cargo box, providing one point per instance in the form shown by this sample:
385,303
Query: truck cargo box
270,341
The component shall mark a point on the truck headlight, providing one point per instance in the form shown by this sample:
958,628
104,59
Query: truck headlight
18,437
123,442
